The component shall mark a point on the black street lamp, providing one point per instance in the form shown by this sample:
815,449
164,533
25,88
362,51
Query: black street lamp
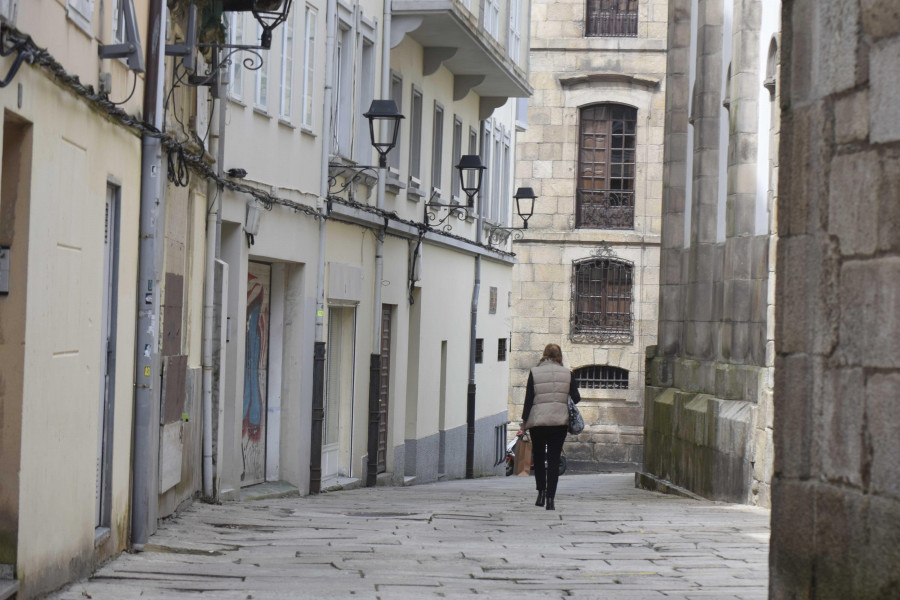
269,13
525,198
471,172
470,168
387,113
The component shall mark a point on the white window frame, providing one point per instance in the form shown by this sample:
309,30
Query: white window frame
343,91
81,12
505,196
236,37
455,188
286,88
492,17
309,65
437,149
487,147
397,96
8,9
118,22
515,29
365,86
496,171
415,137
261,79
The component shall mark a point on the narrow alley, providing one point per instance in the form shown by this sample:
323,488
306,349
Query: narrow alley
481,537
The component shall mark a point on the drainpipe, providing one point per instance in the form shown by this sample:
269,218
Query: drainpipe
318,400
214,191
150,260
375,361
470,396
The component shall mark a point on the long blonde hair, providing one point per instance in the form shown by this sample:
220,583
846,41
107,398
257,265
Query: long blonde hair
552,352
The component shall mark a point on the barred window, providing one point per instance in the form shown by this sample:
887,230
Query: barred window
602,300
601,377
479,350
615,18
606,167
501,350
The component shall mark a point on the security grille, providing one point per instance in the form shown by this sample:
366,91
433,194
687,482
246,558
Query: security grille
501,350
614,18
601,377
606,167
602,301
479,350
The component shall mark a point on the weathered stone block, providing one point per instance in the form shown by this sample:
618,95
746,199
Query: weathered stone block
851,118
794,415
881,18
884,85
842,425
792,559
853,201
889,208
870,312
882,407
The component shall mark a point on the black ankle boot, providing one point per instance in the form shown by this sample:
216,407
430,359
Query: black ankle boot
550,505
540,498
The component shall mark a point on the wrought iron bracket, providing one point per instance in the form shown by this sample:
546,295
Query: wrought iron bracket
434,219
251,63
21,47
343,178
497,234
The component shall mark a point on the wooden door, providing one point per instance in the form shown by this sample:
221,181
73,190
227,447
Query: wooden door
384,387
256,369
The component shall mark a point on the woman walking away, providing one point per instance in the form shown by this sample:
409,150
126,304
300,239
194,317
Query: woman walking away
546,416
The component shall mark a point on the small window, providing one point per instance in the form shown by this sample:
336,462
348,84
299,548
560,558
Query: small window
457,153
287,68
602,301
415,140
492,308
437,147
393,157
606,167
236,37
501,350
515,31
309,65
601,377
261,98
479,351
613,18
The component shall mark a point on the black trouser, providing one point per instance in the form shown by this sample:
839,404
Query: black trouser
547,443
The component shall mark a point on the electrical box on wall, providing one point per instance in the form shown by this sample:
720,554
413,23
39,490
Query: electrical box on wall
4,270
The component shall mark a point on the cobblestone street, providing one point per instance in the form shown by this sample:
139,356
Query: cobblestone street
450,539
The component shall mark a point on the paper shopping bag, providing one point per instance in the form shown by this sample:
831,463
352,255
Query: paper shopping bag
523,458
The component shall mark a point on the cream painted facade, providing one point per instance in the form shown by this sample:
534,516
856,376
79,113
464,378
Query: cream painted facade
257,285
575,69
428,278
70,180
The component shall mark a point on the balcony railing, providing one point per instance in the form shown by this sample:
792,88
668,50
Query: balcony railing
614,18
604,209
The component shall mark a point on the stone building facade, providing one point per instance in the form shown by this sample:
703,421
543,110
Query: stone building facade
708,423
588,265
836,486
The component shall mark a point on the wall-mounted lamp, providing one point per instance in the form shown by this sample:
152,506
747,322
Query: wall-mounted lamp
471,172
251,221
387,113
269,13
525,198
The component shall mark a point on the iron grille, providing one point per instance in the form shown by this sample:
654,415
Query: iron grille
601,377
606,167
500,443
602,301
479,350
614,18
501,350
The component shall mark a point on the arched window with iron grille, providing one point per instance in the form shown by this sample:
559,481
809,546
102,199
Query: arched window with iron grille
615,18
607,142
601,377
602,300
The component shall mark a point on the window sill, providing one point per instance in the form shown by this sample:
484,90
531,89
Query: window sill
393,184
237,101
307,131
262,112
414,194
287,124
81,22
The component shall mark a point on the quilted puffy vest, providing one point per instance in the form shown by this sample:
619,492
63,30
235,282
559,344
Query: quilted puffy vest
551,391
